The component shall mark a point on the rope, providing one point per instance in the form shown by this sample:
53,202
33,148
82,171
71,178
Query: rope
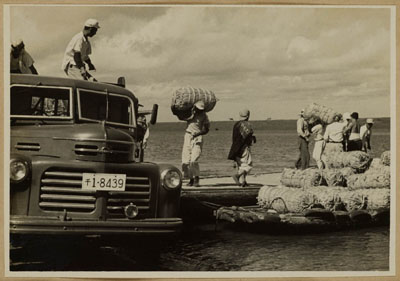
283,201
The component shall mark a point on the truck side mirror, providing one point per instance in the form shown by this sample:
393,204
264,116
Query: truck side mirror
154,113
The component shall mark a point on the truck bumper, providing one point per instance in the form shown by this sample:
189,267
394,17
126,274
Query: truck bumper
39,225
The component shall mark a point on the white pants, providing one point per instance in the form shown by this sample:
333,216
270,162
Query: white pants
318,146
245,162
190,155
73,72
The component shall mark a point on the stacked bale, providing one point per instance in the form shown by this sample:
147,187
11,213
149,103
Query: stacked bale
301,178
330,196
184,99
385,158
377,176
284,199
376,198
359,161
315,112
337,177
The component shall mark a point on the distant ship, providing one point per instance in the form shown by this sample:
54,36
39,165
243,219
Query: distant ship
269,119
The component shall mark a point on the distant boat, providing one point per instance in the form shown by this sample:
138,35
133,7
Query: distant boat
269,119
231,119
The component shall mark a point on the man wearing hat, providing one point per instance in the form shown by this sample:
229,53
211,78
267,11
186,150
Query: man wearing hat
197,126
242,139
365,134
303,133
77,52
20,60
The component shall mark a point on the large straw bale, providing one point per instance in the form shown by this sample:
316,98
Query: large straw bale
330,196
319,112
376,198
373,178
301,178
184,98
385,158
376,162
337,177
297,200
357,160
282,197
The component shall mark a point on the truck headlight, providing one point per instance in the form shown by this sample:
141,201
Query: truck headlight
19,170
171,179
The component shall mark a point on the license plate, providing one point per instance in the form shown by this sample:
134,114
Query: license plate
104,182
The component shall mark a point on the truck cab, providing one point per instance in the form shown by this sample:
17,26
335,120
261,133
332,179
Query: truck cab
73,169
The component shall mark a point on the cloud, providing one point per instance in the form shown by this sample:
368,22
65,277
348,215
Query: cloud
255,55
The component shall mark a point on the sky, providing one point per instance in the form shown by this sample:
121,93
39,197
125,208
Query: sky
272,60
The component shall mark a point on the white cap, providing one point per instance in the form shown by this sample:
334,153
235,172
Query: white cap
346,116
244,114
17,42
370,121
92,23
199,105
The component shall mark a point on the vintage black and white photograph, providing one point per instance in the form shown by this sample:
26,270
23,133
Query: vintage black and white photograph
199,140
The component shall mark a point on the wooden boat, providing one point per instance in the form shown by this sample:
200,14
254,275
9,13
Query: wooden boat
317,219
199,203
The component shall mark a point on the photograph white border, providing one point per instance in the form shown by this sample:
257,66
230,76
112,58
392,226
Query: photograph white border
199,274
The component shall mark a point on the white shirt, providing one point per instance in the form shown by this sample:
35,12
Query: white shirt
197,123
364,131
318,130
334,132
78,43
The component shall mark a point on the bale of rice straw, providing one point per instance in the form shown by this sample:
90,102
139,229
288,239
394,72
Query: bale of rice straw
282,197
329,196
184,99
376,198
357,160
319,112
337,177
376,162
301,178
385,158
373,178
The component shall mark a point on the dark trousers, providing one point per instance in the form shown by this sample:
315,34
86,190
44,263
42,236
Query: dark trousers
354,145
303,161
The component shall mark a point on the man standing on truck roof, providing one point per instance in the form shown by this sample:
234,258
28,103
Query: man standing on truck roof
20,60
78,51
197,126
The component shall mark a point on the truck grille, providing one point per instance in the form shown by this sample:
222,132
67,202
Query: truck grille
61,190
137,192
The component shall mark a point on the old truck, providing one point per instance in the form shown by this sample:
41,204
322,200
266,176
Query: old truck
73,169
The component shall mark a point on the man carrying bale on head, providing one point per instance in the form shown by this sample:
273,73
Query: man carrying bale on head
303,133
242,139
365,134
197,126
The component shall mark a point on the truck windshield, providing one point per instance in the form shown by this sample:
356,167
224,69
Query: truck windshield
40,101
93,105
